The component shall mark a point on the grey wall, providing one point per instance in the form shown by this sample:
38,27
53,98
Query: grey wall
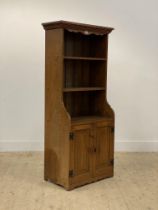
132,73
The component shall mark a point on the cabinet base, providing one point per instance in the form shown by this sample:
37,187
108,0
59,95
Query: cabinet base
85,182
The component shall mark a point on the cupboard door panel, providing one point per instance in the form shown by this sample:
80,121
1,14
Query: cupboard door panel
104,151
80,162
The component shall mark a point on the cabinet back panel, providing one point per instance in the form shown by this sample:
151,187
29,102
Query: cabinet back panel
84,73
84,103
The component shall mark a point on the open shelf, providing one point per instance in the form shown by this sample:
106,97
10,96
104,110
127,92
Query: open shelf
83,89
86,103
81,45
84,84
84,73
84,58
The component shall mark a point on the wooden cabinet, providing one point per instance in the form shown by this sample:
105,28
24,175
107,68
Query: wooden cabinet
79,122
91,152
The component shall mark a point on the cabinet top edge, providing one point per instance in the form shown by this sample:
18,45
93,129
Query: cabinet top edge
76,26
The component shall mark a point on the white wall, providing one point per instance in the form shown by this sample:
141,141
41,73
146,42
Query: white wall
132,75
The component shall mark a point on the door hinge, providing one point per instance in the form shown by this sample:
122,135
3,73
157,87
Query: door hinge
71,173
71,136
112,129
112,162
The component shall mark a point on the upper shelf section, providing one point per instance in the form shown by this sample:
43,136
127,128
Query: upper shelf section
83,47
77,27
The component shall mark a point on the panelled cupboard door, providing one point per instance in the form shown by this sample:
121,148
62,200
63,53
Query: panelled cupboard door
103,159
80,150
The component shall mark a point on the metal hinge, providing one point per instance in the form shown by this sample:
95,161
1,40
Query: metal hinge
112,162
71,173
71,136
112,129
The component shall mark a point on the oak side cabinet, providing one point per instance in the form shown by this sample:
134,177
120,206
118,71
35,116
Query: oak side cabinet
79,122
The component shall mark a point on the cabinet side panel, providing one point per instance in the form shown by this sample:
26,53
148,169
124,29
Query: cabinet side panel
57,122
101,103
108,108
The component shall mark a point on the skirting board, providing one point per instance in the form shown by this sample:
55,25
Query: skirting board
136,146
21,146
120,146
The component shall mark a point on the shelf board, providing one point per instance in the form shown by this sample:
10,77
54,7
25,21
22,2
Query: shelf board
89,119
84,58
77,89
